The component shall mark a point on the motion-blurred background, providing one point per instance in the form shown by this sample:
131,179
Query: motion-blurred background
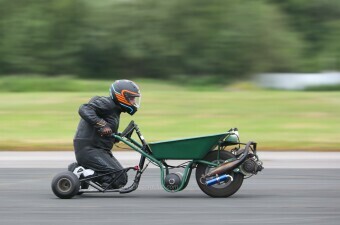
268,67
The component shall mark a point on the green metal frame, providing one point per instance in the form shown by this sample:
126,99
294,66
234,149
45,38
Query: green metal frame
187,171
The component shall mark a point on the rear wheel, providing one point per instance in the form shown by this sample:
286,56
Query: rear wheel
65,185
224,189
83,185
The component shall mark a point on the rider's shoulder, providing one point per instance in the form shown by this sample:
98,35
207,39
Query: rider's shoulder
103,101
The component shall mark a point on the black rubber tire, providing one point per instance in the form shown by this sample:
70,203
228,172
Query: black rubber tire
218,191
83,185
65,185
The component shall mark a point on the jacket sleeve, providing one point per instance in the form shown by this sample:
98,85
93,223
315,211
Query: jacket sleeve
93,111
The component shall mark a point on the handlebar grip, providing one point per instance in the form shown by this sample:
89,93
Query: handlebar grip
128,129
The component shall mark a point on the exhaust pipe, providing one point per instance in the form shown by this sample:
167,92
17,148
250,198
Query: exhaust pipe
218,179
228,166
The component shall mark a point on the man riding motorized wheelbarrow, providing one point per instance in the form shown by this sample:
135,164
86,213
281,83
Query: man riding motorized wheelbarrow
99,120
219,172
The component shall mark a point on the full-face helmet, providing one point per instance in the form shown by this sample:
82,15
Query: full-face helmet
126,93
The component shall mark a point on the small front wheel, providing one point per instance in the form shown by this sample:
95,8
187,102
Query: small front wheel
84,184
224,189
65,185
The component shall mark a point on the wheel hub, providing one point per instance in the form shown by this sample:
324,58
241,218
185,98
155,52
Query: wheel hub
64,185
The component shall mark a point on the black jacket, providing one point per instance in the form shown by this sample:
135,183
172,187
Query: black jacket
98,111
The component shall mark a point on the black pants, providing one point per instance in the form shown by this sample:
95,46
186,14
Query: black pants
100,161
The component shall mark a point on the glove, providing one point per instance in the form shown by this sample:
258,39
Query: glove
105,131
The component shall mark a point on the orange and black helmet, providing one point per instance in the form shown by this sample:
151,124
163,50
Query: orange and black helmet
126,93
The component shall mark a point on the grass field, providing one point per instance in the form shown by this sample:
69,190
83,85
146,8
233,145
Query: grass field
277,120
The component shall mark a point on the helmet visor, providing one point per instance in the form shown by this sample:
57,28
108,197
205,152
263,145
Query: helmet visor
135,100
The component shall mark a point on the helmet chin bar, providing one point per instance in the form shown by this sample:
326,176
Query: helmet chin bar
128,109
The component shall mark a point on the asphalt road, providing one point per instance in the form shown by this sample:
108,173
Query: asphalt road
275,196
277,159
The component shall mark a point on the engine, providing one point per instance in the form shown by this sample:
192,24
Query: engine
173,180
251,166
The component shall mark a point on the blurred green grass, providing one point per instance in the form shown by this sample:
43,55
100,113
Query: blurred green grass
38,83
277,120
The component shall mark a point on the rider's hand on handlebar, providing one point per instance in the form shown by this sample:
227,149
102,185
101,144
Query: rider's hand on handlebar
105,131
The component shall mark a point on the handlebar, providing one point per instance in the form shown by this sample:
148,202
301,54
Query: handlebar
127,132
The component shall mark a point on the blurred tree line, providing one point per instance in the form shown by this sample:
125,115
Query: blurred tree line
165,39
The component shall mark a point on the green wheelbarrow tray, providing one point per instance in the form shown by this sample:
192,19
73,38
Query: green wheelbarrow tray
187,148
